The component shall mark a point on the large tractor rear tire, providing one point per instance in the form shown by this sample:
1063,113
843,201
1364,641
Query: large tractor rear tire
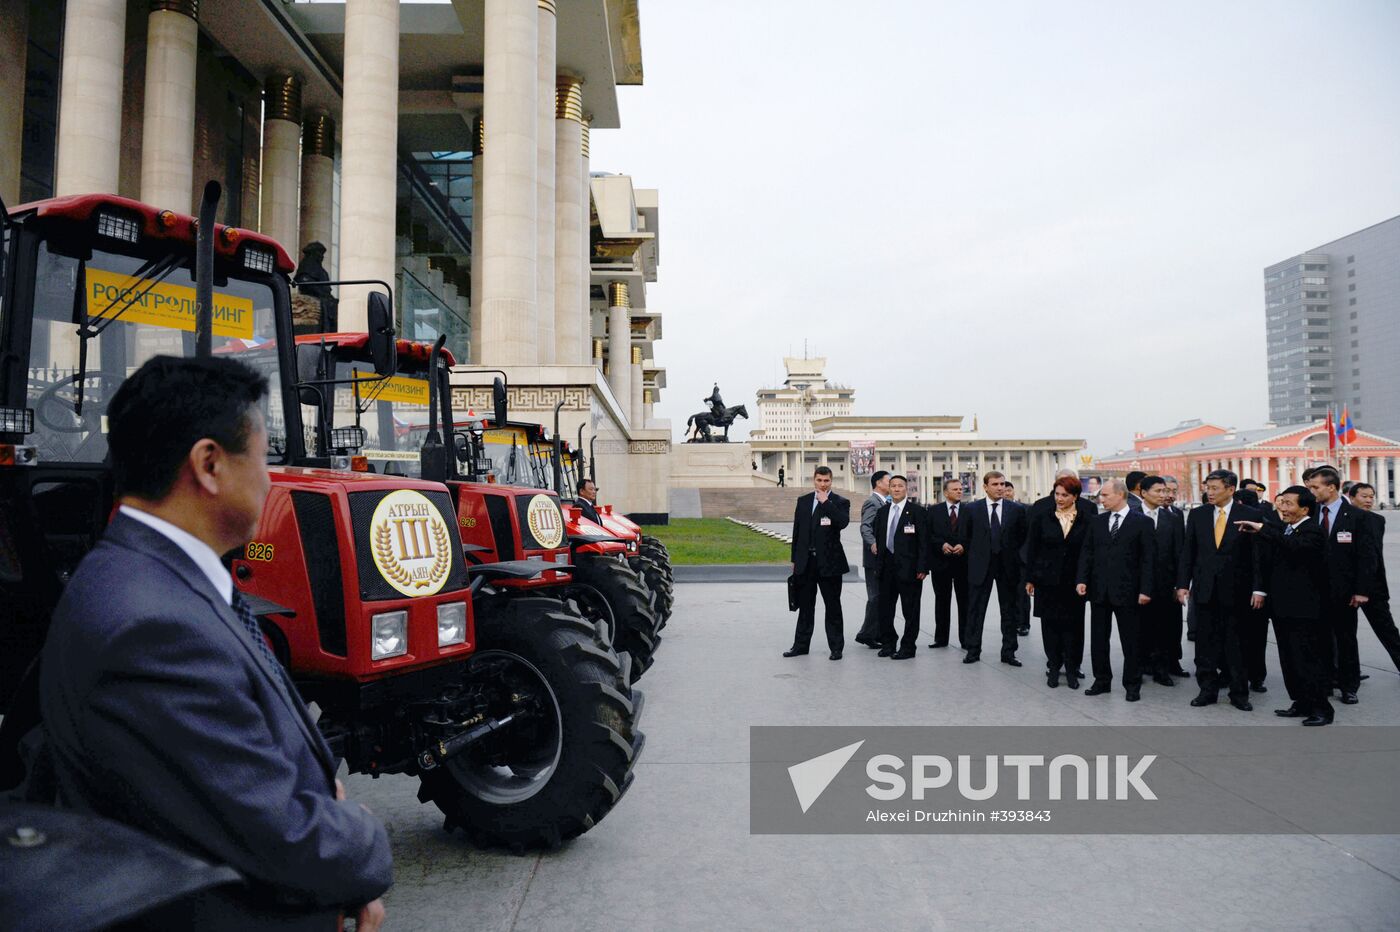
635,627
656,569
538,785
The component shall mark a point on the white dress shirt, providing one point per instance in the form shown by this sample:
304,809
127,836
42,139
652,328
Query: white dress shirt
896,509
197,550
1331,508
1151,513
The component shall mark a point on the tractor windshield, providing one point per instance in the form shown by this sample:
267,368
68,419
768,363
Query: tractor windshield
513,460
129,310
392,412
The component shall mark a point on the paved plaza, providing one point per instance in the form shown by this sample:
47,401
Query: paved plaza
677,853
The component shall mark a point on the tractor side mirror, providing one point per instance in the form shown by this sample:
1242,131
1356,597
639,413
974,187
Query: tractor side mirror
383,350
309,370
498,402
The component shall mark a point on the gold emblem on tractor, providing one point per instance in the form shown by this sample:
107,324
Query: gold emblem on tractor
410,543
545,521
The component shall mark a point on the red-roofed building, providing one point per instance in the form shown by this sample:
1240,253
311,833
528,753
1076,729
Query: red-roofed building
1275,456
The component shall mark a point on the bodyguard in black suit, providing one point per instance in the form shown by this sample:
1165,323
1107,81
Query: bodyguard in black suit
819,562
1292,577
1351,574
902,542
1054,537
992,534
1116,573
1217,572
1160,643
1074,653
948,564
1377,607
1254,623
162,705
869,633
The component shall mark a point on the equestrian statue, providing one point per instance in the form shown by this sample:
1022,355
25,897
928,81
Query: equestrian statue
699,425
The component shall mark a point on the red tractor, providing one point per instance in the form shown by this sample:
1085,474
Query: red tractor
505,511
458,664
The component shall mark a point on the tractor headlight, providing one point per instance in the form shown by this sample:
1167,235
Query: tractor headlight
452,623
259,259
117,225
389,635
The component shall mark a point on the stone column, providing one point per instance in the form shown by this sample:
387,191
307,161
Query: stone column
648,406
585,228
478,155
638,418
570,226
281,162
544,182
598,354
620,343
167,127
14,49
368,152
509,238
318,181
1383,486
90,101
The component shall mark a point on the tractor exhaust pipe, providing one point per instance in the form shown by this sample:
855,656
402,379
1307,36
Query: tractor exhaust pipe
432,457
558,455
204,271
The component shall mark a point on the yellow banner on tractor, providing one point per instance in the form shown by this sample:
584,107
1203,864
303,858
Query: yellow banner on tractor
397,388
164,305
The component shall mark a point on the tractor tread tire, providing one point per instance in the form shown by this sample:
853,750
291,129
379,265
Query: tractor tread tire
635,625
600,739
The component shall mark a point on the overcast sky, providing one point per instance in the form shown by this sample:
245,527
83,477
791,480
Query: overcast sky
1053,215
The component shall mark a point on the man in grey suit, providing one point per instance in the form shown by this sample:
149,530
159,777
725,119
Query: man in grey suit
870,563
162,705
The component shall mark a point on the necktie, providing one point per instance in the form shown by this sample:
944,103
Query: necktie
996,528
1219,526
953,516
250,623
1326,523
1288,531
1113,528
889,534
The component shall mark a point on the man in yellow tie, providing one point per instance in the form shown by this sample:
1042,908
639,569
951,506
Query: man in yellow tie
1217,563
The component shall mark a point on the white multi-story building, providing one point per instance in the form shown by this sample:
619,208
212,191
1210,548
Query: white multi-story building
787,412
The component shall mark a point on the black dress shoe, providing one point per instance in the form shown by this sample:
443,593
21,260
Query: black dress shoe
1349,698
1071,681
1244,705
902,655
873,645
1258,688
1052,680
938,644
1291,712
794,652
1097,689
971,657
1205,699
1023,631
1161,679
1315,720
886,652
836,655
868,642
1179,672
1011,662
1132,693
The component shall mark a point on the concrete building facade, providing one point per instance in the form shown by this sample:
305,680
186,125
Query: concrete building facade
365,126
786,412
1333,330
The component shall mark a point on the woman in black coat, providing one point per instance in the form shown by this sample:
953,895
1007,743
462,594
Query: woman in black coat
1053,538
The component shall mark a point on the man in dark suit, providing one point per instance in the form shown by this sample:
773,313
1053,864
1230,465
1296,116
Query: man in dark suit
1074,659
819,562
1377,607
162,704
1291,575
1351,574
1173,494
1023,617
948,564
992,534
1217,572
1254,623
587,500
1134,481
1160,641
869,634
1116,573
902,541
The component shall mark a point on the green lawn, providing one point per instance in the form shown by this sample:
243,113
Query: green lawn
715,540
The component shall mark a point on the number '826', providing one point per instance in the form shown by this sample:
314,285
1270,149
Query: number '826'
259,551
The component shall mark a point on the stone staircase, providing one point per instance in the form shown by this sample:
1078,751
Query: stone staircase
771,505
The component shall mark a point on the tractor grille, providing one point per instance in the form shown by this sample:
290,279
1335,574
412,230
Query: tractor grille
316,524
373,586
498,510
